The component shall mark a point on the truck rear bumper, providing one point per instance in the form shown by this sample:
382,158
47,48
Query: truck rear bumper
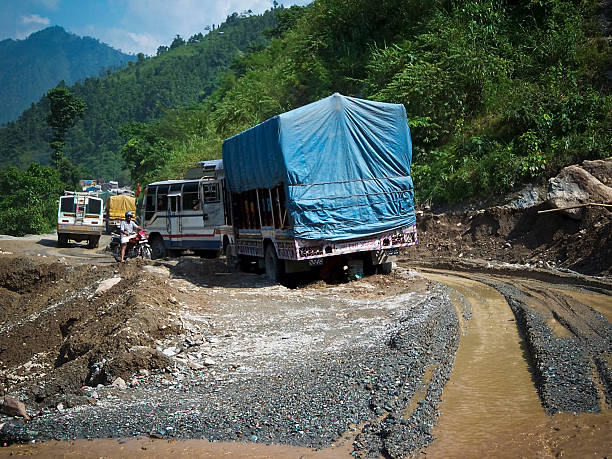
403,237
79,229
289,248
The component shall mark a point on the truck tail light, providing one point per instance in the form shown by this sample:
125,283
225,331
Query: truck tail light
64,221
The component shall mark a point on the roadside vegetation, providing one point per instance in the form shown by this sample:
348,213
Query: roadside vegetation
497,93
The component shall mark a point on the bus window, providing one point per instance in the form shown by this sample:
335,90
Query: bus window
150,202
190,197
94,206
211,192
67,205
162,200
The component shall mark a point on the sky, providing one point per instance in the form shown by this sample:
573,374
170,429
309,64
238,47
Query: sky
132,26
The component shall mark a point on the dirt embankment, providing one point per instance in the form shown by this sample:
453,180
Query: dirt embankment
61,329
514,231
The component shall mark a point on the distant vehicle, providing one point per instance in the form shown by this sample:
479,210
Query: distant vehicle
116,207
188,214
79,218
322,186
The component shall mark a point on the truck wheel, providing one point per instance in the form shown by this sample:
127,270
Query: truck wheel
62,240
385,268
93,242
274,266
157,248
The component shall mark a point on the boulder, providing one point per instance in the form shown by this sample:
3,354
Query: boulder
601,169
14,407
574,186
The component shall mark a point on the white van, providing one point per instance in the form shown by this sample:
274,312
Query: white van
80,218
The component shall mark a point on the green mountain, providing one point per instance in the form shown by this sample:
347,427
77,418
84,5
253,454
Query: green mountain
181,74
30,67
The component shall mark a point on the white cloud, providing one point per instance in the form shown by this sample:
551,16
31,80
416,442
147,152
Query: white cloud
35,19
182,17
29,24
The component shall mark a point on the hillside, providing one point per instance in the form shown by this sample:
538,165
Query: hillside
183,74
30,67
497,93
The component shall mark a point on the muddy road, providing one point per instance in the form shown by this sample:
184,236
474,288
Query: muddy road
184,357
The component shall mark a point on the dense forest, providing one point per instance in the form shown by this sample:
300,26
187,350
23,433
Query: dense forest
30,67
181,74
497,92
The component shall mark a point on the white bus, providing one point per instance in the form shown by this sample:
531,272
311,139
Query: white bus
188,214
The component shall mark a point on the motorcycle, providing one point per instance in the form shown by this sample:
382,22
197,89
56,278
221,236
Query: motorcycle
137,246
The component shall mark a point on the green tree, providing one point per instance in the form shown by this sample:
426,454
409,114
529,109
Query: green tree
28,199
64,110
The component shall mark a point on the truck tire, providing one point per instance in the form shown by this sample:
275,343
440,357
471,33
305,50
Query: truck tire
157,247
274,266
62,240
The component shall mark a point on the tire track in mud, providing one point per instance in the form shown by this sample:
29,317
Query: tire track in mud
490,370
561,345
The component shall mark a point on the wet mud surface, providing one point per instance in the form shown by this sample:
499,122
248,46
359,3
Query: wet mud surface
382,366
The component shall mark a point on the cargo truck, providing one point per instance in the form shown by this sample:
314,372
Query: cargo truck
323,186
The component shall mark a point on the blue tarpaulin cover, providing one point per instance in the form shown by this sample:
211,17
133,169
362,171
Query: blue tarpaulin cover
345,164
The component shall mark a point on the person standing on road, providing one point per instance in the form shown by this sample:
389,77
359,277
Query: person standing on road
127,230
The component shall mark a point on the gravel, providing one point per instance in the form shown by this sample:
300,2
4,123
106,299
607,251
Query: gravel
389,381
564,366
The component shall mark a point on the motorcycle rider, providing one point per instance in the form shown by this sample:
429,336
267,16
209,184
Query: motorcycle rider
127,229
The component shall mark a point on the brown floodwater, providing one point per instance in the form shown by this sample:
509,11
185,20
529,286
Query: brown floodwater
601,303
147,447
491,391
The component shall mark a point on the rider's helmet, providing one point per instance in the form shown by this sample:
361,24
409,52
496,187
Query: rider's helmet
128,214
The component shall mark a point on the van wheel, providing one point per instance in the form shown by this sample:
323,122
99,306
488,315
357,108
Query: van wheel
274,266
157,248
62,240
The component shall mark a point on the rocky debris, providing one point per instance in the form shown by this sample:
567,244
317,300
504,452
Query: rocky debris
397,431
601,169
292,392
120,383
107,284
573,186
515,233
564,370
528,196
14,407
56,338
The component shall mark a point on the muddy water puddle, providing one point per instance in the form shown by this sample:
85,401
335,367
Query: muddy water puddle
146,448
491,391
601,303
